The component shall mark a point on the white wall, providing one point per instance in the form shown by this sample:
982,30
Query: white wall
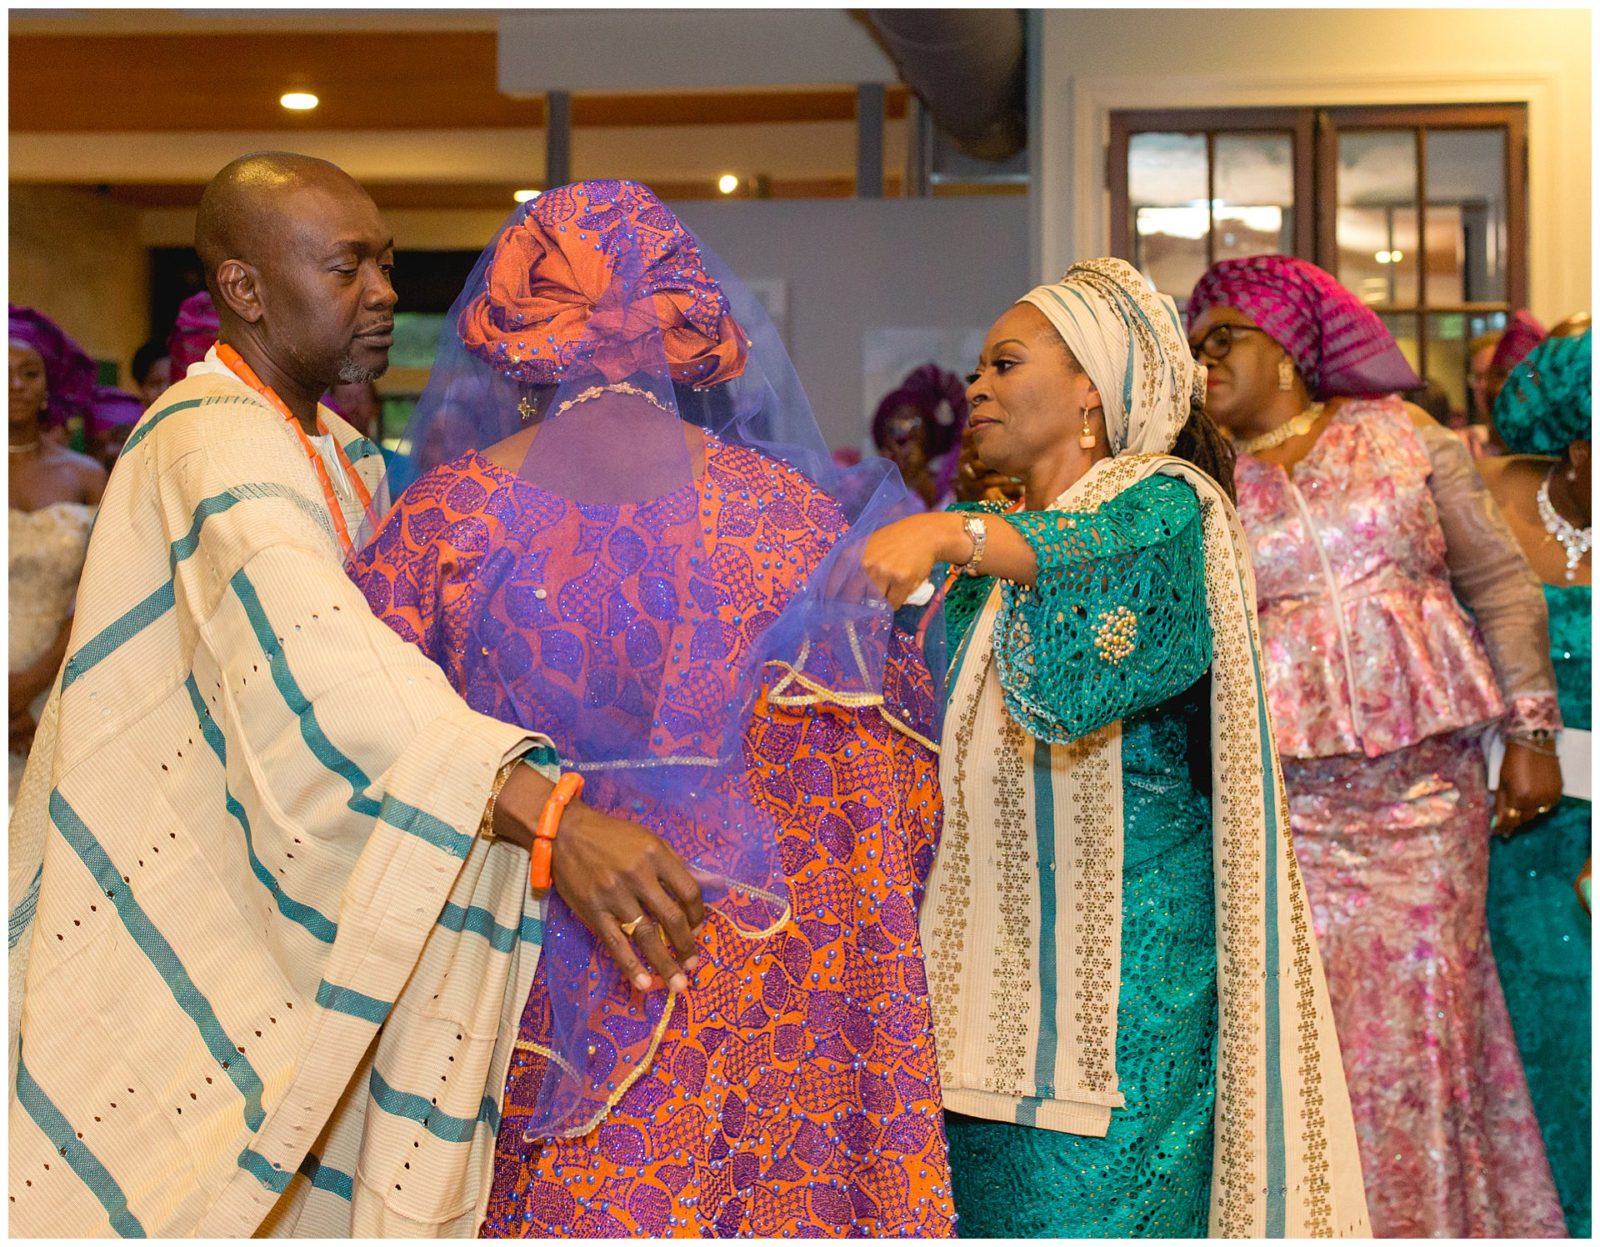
1094,61
848,265
854,264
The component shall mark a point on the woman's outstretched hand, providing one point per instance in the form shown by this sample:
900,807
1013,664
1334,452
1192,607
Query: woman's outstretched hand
901,556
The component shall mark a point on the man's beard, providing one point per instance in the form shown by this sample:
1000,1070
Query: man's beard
352,373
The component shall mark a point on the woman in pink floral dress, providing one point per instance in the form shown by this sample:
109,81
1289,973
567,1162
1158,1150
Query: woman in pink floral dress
1366,521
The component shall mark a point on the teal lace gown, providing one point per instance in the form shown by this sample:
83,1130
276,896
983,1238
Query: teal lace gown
1151,1174
1540,934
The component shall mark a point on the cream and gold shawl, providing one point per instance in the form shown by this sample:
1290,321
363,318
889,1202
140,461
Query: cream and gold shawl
270,979
1285,1160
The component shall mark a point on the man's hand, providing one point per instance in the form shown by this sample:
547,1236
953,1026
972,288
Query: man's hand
611,872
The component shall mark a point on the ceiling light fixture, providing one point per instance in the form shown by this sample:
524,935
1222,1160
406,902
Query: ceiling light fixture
522,197
298,101
727,183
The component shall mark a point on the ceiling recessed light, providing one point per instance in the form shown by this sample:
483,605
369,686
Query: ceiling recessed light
522,197
298,101
727,184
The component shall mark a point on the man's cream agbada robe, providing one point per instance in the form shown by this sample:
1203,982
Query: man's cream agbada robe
244,844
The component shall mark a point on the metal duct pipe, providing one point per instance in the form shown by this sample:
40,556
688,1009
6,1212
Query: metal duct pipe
968,67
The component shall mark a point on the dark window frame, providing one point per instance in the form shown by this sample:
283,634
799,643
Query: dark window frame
1314,133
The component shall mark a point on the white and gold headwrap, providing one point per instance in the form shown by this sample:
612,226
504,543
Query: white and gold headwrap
1130,341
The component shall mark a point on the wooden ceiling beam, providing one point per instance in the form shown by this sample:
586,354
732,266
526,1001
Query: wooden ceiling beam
366,80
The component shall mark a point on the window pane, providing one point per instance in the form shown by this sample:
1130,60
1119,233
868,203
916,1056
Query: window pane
1404,328
1254,207
1377,215
1466,215
1447,361
1167,205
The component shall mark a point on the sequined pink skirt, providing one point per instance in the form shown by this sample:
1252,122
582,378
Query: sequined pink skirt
1395,854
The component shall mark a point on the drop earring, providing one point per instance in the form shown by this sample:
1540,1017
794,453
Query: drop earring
1285,374
1086,439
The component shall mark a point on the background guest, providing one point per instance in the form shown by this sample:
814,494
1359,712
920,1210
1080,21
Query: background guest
1480,354
194,332
54,492
1365,520
1541,934
152,371
358,402
917,426
110,419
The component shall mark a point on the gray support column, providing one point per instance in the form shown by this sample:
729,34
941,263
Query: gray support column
919,149
557,138
869,140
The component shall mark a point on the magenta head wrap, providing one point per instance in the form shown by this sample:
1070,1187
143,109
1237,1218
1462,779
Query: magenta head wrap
940,396
195,331
1521,335
1336,341
111,408
69,372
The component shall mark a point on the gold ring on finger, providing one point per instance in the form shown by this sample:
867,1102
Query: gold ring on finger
628,928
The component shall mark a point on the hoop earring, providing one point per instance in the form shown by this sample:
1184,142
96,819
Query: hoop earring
1285,374
1086,439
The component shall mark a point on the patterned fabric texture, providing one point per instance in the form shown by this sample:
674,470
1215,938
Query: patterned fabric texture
1547,402
1151,1174
246,842
1395,852
1360,555
795,1090
1026,1002
1337,342
551,272
1542,936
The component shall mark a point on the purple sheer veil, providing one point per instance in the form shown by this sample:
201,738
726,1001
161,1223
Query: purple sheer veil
571,360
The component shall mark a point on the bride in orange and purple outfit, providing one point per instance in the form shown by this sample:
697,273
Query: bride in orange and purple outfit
623,526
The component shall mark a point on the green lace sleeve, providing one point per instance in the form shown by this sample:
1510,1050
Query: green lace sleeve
1116,621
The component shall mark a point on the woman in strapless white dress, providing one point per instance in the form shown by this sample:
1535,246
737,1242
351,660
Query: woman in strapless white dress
54,493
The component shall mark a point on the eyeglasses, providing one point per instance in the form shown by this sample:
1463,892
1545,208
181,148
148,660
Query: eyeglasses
1216,344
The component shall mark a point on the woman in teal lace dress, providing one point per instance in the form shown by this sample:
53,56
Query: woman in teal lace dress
1537,924
1116,1061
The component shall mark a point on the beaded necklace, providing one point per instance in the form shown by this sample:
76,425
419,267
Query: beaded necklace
1278,436
235,363
1574,540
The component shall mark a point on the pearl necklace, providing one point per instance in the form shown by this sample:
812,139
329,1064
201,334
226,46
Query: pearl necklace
1278,436
1574,540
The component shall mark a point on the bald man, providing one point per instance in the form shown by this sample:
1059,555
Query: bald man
271,930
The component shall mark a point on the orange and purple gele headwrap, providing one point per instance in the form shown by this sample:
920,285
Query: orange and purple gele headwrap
69,372
554,266
1337,342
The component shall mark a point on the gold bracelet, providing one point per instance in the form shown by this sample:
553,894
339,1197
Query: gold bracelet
486,824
